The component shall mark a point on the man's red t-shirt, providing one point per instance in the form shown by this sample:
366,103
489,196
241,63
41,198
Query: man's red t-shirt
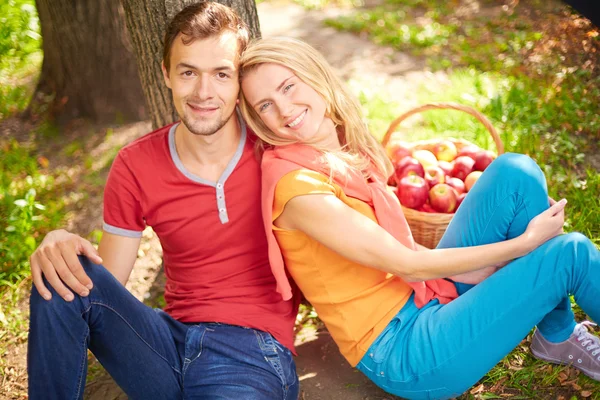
212,234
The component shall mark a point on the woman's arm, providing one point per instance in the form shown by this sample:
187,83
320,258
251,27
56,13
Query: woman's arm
344,230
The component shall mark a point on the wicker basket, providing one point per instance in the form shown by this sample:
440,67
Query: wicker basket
428,228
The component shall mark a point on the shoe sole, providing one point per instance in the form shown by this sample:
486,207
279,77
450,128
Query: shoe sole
559,362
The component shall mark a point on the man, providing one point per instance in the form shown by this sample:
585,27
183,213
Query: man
225,332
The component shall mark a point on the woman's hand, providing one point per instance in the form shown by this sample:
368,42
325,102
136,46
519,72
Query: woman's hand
546,225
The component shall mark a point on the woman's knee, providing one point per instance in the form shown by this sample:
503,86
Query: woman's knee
520,170
515,163
571,252
580,245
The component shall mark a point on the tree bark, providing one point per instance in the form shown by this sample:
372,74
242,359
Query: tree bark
147,21
89,69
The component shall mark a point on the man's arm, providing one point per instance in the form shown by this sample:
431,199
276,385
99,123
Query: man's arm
56,259
119,254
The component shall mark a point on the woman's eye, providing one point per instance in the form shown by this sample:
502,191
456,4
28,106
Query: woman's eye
288,87
263,107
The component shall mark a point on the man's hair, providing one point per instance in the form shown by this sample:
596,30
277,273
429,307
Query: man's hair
201,21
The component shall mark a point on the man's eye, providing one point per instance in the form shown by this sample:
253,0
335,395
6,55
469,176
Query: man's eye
188,73
263,107
223,75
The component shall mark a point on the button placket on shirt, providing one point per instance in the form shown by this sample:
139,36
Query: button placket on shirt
220,191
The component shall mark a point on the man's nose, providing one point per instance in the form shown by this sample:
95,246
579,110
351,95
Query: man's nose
204,87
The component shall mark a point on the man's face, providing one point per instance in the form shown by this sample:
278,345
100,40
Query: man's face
203,77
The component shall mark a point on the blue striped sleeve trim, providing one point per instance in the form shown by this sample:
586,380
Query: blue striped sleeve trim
121,232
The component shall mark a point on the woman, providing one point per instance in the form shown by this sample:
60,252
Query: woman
347,245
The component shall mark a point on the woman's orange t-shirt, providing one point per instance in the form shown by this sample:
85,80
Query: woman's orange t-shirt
354,301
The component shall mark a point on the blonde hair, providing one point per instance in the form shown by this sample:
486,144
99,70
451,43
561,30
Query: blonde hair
360,150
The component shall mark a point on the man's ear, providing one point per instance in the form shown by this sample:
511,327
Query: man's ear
166,75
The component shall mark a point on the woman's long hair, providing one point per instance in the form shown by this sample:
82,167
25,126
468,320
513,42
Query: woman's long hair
360,150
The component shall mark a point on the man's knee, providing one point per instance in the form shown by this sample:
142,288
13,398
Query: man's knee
97,272
100,276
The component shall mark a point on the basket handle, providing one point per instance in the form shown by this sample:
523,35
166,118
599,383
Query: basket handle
446,106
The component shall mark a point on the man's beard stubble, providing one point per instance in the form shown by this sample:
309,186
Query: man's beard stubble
208,128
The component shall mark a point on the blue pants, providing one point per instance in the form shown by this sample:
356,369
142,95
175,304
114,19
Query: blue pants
149,354
440,351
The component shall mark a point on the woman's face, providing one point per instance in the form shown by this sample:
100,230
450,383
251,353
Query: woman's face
290,108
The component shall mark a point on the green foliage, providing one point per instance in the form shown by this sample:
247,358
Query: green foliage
20,54
18,242
24,215
19,31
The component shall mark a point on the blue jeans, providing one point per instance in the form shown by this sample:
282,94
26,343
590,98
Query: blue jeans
440,351
148,353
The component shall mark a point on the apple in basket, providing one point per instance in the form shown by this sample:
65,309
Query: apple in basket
456,184
412,191
445,150
446,167
463,166
483,159
471,179
407,166
434,175
425,157
470,150
443,198
426,208
397,151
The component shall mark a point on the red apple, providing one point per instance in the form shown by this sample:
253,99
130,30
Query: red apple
483,159
425,157
463,166
434,175
412,191
397,151
446,167
471,179
445,151
460,199
409,165
470,151
426,208
442,198
456,184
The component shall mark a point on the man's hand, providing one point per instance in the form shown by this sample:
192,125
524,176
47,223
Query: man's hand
56,258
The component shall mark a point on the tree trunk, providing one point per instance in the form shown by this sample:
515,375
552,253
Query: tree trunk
147,22
89,69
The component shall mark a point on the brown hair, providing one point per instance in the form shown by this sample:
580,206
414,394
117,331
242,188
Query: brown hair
203,20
